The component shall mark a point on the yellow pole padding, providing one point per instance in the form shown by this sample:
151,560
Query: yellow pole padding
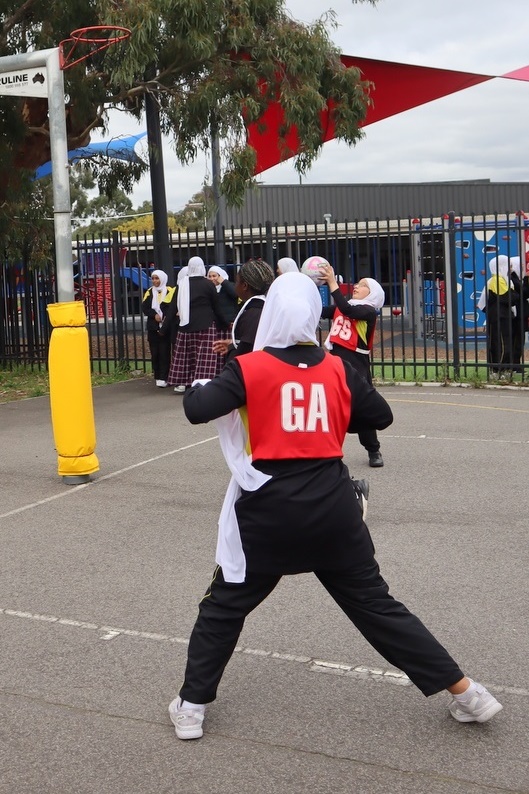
72,411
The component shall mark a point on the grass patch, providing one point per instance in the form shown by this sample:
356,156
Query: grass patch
440,373
413,373
22,382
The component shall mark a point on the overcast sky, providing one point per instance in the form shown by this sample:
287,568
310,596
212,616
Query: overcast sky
481,132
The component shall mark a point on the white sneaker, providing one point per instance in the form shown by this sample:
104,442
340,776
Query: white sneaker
474,705
187,722
179,389
161,384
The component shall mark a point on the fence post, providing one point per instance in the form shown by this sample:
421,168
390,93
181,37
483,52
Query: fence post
269,245
451,291
118,298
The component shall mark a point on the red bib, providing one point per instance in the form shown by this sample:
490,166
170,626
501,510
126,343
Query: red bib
351,333
295,412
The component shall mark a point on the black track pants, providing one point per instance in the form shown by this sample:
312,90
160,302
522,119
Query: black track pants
397,634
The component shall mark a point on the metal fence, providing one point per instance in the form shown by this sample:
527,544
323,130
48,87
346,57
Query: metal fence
433,271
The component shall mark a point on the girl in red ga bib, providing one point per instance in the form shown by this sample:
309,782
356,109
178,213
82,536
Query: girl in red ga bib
295,508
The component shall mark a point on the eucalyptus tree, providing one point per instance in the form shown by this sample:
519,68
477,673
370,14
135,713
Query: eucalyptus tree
206,62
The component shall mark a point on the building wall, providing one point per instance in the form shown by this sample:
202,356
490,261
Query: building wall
292,204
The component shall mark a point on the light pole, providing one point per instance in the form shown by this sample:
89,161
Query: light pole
162,252
220,254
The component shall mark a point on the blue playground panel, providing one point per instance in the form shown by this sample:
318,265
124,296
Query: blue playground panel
475,245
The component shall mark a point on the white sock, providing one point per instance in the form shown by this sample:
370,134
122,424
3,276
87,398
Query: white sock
467,694
201,707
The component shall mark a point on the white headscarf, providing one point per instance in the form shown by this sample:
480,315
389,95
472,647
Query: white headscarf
182,273
291,313
158,293
375,298
515,265
195,267
220,272
499,271
287,265
499,266
500,280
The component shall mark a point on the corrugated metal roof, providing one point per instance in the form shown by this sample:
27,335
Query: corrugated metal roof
310,203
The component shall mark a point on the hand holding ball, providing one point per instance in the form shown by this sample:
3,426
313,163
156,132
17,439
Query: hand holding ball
311,267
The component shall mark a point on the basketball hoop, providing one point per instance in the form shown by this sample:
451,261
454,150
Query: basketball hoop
97,37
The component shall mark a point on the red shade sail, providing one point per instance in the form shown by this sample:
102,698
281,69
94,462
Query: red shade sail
518,74
397,87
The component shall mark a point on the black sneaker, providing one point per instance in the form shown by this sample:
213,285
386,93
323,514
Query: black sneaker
362,494
375,460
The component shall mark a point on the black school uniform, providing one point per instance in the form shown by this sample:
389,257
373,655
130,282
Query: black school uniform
305,518
521,321
160,337
228,301
245,328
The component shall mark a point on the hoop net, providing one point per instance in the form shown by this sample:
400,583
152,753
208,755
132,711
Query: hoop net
96,38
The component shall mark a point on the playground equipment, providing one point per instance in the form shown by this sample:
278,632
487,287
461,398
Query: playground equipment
450,267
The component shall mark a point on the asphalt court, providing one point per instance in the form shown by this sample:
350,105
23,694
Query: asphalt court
100,582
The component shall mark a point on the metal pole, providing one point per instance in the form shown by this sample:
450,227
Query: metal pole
60,179
118,298
452,325
269,244
162,253
218,231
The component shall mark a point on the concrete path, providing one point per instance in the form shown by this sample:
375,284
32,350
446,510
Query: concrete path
99,586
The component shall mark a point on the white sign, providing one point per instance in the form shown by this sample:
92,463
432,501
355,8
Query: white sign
25,82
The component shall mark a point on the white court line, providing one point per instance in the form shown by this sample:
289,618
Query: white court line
313,665
74,489
453,438
446,404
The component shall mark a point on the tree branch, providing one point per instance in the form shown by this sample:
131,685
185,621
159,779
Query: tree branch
14,20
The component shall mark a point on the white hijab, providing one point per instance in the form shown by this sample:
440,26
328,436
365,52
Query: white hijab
515,265
158,293
291,313
182,273
499,269
222,273
499,266
287,265
375,298
195,267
